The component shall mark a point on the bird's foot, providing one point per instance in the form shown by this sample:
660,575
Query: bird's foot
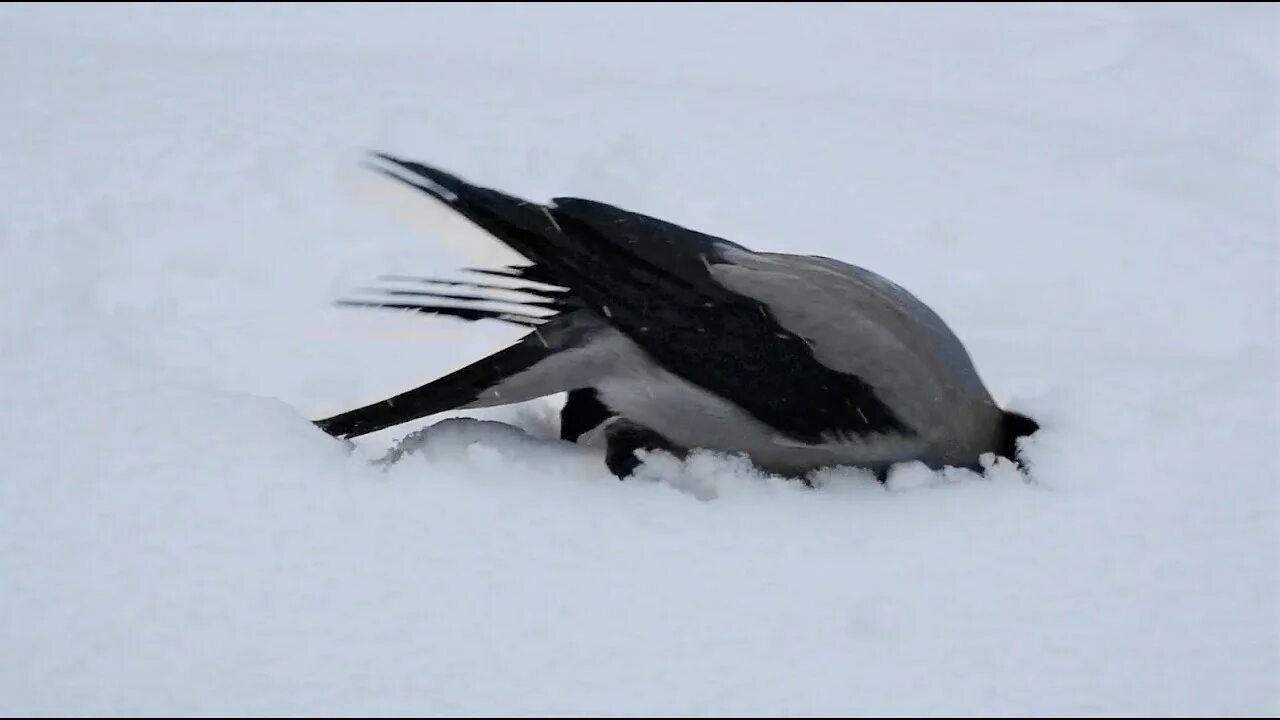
624,437
582,412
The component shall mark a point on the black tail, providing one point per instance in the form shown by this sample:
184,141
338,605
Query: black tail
455,390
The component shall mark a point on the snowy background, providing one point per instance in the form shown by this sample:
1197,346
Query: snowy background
1087,194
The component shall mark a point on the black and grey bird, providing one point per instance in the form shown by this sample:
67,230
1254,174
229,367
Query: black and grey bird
681,340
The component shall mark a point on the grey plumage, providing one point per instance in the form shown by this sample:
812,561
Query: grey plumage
800,362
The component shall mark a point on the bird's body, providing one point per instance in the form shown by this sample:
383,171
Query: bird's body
693,341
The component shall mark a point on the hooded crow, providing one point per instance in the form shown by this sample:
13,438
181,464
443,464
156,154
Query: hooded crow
679,340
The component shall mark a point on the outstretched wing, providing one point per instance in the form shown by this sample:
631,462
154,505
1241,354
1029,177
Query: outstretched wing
652,280
524,305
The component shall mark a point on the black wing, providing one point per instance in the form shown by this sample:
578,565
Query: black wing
650,279
527,306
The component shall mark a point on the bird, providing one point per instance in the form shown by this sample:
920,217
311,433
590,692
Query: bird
670,339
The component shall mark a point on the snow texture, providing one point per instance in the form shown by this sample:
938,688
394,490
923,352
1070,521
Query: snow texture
1087,194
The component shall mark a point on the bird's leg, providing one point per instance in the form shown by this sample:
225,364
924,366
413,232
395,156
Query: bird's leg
624,437
582,412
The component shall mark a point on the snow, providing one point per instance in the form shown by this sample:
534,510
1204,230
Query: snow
1086,193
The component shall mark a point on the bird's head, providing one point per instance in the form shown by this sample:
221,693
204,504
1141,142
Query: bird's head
1013,427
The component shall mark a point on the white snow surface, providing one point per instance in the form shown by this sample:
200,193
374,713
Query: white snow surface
1087,194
